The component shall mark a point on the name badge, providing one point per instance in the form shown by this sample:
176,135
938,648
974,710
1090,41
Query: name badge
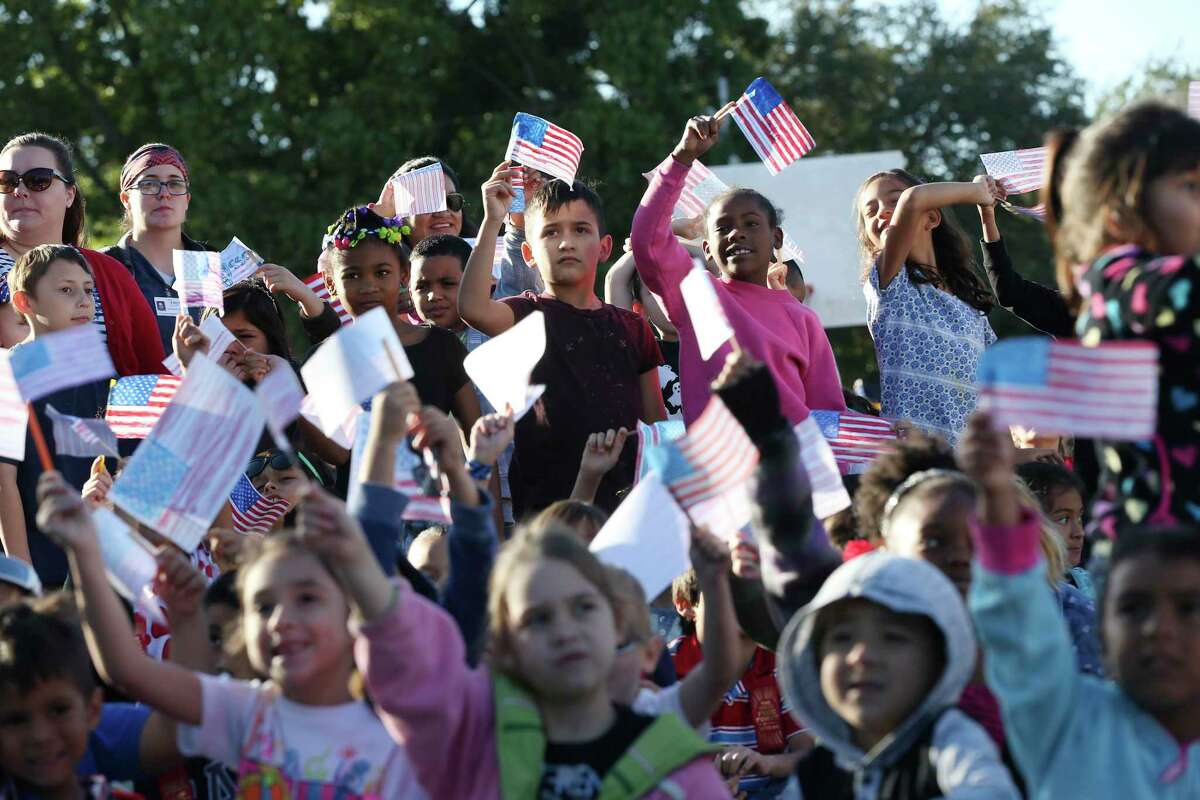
166,306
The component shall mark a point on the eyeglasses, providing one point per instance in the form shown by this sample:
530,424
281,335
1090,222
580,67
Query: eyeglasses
455,201
37,179
279,460
176,187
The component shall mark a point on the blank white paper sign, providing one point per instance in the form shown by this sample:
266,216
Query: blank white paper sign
648,536
501,367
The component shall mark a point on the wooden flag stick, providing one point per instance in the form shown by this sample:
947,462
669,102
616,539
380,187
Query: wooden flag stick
726,110
39,440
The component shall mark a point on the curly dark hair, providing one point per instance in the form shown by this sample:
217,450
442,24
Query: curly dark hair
916,453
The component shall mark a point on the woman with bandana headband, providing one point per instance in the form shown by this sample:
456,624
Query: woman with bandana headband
40,203
156,193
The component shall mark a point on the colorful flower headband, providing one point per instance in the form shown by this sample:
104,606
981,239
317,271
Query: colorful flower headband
359,223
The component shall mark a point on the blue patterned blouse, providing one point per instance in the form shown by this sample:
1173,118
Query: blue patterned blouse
928,344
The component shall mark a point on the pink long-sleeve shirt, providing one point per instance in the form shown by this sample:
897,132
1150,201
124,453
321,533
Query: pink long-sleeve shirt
443,711
769,324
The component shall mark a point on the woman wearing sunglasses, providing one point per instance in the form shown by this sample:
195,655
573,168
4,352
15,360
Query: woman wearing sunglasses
156,192
40,203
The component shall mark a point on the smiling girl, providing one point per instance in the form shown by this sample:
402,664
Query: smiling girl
742,234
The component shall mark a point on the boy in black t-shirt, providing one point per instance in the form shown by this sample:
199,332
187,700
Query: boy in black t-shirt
51,287
601,363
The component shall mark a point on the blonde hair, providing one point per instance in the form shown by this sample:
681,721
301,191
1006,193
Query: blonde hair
1054,550
529,546
630,604
582,518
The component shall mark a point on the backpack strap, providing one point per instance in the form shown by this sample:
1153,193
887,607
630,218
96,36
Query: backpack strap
667,744
520,739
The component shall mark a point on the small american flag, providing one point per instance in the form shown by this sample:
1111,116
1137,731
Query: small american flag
1018,171
238,263
829,494
59,360
253,513
654,436
1193,100
280,396
422,191
497,254
14,413
708,470
856,439
1062,387
773,129
198,279
545,147
76,436
136,402
518,186
316,282
1032,212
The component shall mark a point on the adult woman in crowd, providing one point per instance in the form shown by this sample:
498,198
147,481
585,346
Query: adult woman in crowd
40,203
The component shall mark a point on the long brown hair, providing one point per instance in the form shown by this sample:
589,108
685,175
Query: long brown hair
955,270
1106,176
74,230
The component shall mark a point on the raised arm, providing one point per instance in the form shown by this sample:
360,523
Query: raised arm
617,289
12,515
912,212
168,687
475,304
1028,660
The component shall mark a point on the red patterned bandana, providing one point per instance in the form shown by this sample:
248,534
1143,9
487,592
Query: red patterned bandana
147,156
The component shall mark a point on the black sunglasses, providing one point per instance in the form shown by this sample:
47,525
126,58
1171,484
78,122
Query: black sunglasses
279,460
455,201
37,179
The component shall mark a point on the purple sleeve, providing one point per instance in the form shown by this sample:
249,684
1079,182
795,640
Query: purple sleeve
1008,550
661,260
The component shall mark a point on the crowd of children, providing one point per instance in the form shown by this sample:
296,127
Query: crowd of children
983,621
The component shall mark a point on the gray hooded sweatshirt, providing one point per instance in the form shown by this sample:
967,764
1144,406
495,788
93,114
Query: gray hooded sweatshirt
965,761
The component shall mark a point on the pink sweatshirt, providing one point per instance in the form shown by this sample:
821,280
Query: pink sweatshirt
443,712
769,324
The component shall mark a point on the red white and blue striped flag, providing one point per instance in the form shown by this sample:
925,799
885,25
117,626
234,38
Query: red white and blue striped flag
708,469
829,494
181,475
1062,387
14,413
199,279
544,146
856,439
59,360
1037,212
422,191
252,512
518,186
773,129
1193,100
136,402
76,436
316,282
1018,171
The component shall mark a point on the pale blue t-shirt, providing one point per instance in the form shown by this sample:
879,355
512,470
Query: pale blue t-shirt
928,344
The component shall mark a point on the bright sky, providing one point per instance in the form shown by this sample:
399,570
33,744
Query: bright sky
1108,41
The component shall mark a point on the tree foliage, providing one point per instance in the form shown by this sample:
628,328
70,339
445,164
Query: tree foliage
289,111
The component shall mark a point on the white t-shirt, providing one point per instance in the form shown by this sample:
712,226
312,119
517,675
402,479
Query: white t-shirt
666,701
271,741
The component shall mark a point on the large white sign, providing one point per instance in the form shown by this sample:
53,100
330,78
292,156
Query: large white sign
816,195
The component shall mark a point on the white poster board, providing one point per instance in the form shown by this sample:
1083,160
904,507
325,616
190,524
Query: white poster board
816,195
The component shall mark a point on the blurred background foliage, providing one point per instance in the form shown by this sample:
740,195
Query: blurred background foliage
290,111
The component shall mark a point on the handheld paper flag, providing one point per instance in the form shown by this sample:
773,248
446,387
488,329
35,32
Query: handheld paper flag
1037,212
655,435
253,513
353,364
127,560
544,146
198,279
413,478
518,186
75,436
704,307
856,439
1105,392
280,395
136,402
14,413
422,191
182,474
238,263
316,282
829,494
502,366
59,360
1018,171
497,254
773,129
219,339
648,535
1193,100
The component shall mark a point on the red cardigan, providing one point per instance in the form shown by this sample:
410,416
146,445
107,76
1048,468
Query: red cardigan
133,339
